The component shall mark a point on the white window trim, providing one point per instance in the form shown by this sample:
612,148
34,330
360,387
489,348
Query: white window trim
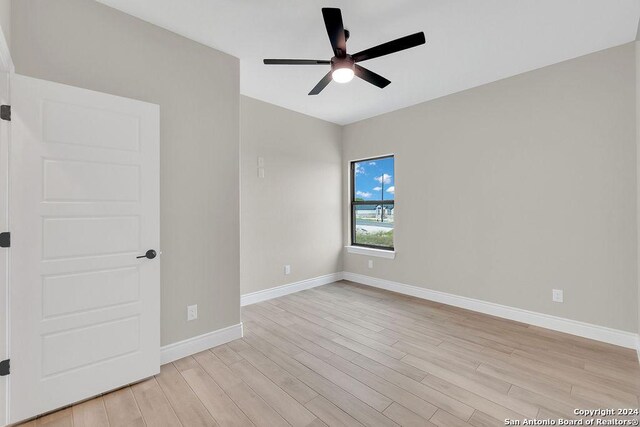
380,253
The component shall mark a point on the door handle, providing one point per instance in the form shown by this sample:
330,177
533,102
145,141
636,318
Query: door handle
151,254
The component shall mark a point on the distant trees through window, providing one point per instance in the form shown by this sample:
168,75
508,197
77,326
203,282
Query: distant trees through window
372,202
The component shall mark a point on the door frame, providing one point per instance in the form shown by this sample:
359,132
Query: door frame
6,69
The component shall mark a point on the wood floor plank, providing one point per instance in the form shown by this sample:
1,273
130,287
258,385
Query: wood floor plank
122,408
473,400
412,402
311,333
431,352
258,411
185,403
221,373
220,406
517,377
445,419
347,383
297,339
405,417
466,376
611,400
317,422
560,406
463,381
552,358
282,343
226,354
426,393
153,404
345,401
289,383
62,418
238,345
398,365
277,356
330,413
288,408
480,419
308,312
91,413
574,376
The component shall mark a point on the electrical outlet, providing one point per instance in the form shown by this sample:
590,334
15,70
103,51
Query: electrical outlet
192,312
260,167
558,295
370,263
287,269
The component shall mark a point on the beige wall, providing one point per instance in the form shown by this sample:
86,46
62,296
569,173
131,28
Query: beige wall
508,190
294,214
86,44
5,19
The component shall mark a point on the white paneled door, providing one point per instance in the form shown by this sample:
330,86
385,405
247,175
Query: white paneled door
83,208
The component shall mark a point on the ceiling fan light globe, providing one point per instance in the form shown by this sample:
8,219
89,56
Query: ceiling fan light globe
342,75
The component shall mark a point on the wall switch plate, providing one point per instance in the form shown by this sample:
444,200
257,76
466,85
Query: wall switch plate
260,172
287,269
370,263
192,312
558,295
260,162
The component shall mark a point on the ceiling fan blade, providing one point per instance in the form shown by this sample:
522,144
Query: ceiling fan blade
335,29
296,62
321,84
371,77
393,46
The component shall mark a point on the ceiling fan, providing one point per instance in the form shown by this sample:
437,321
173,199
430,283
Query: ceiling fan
343,65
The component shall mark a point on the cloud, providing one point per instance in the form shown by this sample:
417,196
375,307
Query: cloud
359,169
363,194
377,188
372,163
383,179
391,189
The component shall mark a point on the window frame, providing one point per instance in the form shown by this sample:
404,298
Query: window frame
354,203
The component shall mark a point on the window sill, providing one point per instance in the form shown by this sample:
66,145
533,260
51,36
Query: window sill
380,253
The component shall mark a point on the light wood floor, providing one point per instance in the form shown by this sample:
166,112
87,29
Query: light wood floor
347,355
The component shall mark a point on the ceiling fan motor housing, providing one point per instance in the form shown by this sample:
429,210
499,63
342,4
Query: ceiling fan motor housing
346,62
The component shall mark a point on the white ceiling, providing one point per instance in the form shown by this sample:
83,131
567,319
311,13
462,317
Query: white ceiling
469,43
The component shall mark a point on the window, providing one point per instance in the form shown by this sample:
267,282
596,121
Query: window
372,203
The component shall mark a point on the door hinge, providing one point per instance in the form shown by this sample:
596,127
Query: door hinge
4,368
5,240
5,112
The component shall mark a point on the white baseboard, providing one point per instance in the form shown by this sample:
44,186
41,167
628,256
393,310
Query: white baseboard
178,350
574,327
279,291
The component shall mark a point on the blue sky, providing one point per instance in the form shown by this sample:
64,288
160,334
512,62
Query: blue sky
375,179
